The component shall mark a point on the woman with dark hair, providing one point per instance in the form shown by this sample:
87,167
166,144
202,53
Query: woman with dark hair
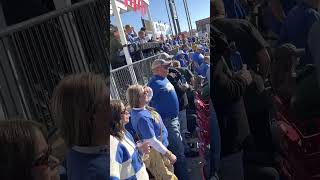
24,152
80,105
124,149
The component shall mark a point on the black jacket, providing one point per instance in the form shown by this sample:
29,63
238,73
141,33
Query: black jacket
179,87
227,91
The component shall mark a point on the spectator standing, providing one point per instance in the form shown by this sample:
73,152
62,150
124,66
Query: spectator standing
227,92
181,58
141,37
124,149
83,124
186,51
166,103
197,57
313,42
24,152
280,9
149,128
130,33
296,27
182,87
249,41
204,67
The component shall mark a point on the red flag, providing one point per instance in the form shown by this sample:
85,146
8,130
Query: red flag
126,3
134,5
138,4
131,3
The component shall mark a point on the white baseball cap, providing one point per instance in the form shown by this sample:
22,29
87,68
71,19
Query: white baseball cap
160,62
199,47
165,56
180,52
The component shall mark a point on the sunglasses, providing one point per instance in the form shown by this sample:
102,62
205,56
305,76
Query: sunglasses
125,111
45,160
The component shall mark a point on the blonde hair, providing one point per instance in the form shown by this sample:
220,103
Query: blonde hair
133,97
176,64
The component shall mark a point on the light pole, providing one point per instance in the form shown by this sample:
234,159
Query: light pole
166,3
174,16
185,3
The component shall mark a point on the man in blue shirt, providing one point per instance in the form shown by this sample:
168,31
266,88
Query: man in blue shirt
197,58
204,67
296,27
165,101
131,35
186,51
181,58
280,9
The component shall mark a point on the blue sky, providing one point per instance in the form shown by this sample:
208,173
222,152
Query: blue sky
198,9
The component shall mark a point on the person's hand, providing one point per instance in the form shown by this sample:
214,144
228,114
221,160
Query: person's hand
143,147
245,74
192,81
45,173
173,75
172,158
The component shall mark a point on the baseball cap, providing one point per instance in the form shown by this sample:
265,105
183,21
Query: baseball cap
160,62
165,56
288,49
199,47
180,52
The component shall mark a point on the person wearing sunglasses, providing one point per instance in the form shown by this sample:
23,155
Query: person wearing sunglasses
24,152
80,106
124,149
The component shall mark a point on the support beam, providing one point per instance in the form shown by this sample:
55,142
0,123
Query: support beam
123,39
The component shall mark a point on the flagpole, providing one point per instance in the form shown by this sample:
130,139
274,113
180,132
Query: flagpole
166,4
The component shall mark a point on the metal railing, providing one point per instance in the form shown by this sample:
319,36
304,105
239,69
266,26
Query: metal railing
121,79
36,54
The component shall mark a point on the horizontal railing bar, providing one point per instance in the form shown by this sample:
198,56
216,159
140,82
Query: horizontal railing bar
137,62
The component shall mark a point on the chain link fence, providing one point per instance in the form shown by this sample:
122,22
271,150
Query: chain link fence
121,78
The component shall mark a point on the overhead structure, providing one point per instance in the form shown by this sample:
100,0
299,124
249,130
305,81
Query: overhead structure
174,16
122,6
118,7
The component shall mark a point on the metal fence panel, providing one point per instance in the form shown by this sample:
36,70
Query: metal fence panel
37,54
121,77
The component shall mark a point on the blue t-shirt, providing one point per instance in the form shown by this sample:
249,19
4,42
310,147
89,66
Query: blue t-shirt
296,28
87,166
287,5
203,69
198,57
146,127
165,99
186,54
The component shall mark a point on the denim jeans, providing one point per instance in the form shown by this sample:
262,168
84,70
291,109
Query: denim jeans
183,121
215,144
176,147
183,128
